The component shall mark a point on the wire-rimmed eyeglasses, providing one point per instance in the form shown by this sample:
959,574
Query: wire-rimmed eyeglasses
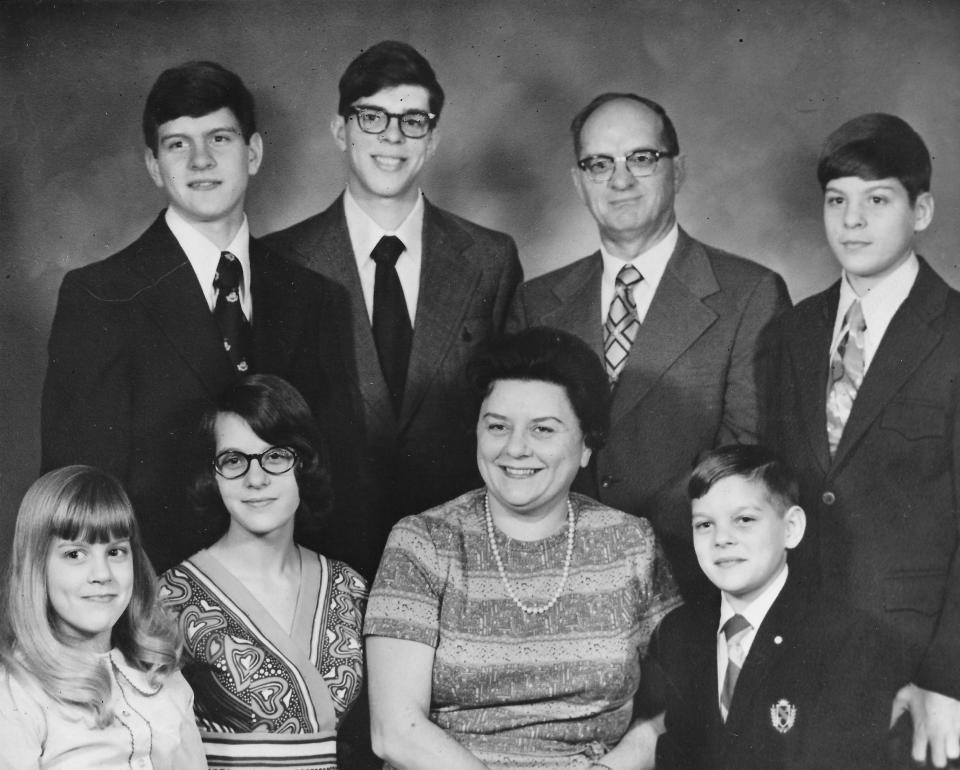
640,163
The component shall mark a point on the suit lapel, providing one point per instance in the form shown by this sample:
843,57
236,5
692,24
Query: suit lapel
173,298
811,359
676,319
578,303
447,281
334,250
907,342
277,312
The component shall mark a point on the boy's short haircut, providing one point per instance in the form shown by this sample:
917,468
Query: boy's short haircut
877,146
388,64
750,461
195,89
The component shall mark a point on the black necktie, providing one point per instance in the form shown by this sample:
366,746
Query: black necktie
391,321
229,312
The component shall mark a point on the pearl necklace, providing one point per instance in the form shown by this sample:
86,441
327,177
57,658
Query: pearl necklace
571,529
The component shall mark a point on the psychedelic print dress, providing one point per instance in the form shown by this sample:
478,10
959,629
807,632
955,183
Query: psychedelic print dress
264,697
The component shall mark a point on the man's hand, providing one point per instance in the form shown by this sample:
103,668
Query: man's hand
936,723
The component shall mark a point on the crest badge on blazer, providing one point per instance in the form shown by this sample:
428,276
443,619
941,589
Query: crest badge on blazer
782,715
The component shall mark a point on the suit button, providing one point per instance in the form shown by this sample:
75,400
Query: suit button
828,498
608,481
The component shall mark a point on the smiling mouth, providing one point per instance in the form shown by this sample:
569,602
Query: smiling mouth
726,563
104,598
204,184
388,162
519,473
259,502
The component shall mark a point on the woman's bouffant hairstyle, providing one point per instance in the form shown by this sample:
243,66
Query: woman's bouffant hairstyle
82,504
277,413
549,355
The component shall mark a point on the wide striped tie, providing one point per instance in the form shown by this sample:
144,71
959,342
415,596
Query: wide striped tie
734,630
622,323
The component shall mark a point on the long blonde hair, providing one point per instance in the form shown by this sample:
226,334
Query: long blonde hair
82,503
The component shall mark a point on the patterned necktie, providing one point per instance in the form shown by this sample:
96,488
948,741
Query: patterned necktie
622,323
734,630
846,374
228,311
391,321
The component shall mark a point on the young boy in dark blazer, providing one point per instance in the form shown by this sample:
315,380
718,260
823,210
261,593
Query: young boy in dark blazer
864,407
772,676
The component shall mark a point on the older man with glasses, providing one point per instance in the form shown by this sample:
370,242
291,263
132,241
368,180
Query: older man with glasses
678,324
425,288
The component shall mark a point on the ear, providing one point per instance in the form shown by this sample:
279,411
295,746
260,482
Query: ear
577,177
922,212
254,153
338,127
153,167
585,456
432,140
795,520
679,171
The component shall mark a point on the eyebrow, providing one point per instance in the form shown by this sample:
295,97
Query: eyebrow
496,416
220,130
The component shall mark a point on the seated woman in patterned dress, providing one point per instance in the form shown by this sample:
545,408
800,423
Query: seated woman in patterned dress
505,627
272,629
89,675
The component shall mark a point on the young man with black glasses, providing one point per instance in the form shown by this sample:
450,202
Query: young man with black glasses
426,287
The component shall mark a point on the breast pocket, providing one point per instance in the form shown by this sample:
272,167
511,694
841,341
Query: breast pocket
915,420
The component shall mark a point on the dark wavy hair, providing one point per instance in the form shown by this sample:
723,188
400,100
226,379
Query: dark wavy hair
549,355
750,461
195,89
388,64
668,134
277,413
877,146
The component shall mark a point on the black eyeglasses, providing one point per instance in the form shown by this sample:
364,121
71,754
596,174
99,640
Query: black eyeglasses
640,163
276,460
414,124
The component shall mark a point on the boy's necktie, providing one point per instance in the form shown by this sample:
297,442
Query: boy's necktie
846,374
391,321
228,311
734,630
622,323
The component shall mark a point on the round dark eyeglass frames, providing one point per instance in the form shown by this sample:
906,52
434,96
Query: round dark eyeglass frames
414,124
276,460
640,163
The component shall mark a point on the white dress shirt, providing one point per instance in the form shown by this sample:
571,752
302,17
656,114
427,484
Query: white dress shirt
365,234
879,306
755,612
651,264
204,256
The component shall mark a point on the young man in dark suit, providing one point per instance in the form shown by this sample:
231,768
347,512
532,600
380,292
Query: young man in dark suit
143,341
866,408
425,286
678,323
773,675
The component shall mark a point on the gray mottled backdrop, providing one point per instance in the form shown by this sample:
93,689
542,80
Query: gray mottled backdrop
753,87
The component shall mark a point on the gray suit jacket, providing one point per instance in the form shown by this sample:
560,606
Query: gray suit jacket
427,454
691,382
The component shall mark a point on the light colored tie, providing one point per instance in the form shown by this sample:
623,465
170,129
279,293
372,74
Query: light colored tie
734,630
846,374
622,323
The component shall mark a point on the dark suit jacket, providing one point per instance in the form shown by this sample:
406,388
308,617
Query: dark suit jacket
825,661
690,382
427,455
883,514
136,356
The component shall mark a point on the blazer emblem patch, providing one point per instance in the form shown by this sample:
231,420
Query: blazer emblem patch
782,715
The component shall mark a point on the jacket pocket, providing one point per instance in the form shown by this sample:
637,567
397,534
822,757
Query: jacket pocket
915,419
917,590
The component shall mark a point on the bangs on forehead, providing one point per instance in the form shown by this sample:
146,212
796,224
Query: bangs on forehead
94,516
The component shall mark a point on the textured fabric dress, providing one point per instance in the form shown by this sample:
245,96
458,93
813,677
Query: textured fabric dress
265,697
519,690
152,728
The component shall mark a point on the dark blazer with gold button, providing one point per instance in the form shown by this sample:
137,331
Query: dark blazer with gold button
691,381
136,356
884,513
814,692
426,455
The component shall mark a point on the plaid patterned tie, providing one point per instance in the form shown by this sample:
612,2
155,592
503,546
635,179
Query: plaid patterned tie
229,312
846,374
734,630
622,323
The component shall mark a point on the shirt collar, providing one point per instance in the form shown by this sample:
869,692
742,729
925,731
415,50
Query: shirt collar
204,255
757,610
365,233
651,263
